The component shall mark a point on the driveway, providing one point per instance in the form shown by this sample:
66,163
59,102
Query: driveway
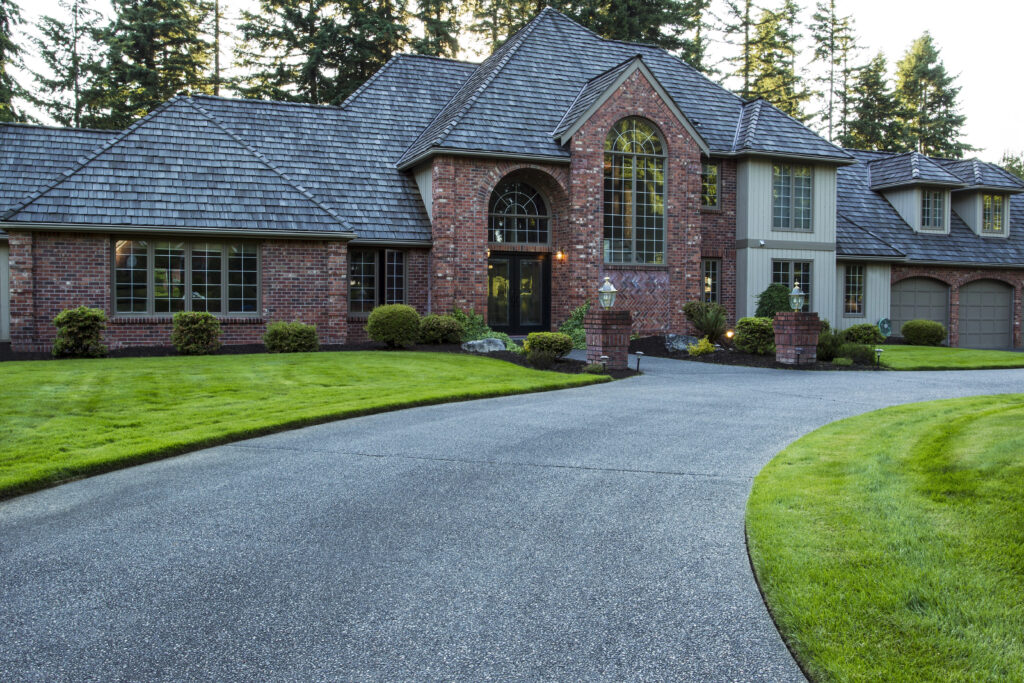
593,533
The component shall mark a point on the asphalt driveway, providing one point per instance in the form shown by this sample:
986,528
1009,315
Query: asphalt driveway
593,533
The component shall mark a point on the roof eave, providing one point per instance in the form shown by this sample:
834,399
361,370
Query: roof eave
460,152
918,183
35,226
991,188
869,257
836,161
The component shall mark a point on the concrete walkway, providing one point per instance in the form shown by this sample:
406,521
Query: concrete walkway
586,534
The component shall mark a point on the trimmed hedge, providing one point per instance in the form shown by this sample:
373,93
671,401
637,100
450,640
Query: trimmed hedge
864,333
294,337
440,329
755,335
395,325
80,333
554,343
923,332
195,333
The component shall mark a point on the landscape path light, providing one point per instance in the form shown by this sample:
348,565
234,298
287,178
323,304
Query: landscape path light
606,294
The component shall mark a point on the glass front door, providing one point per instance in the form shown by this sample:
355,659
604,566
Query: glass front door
518,292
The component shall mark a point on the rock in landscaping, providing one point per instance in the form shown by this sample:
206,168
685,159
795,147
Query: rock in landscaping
679,342
484,345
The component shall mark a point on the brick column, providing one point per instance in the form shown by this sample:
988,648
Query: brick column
608,335
796,331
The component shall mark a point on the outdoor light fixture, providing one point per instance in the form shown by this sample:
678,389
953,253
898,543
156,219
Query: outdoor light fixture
729,334
796,297
606,294
639,356
559,255
488,253
878,357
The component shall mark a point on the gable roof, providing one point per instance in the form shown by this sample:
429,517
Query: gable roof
911,168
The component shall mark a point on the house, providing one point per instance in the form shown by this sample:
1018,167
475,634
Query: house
511,187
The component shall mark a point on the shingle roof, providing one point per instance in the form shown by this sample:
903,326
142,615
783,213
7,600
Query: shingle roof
975,173
590,93
911,168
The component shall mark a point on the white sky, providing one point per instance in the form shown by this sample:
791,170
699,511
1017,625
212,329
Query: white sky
980,40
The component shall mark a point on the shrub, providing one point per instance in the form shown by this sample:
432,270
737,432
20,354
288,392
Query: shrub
709,319
828,344
282,337
595,369
440,329
923,332
555,343
573,326
864,333
542,359
842,362
394,324
774,299
755,335
861,354
80,333
473,325
701,348
195,333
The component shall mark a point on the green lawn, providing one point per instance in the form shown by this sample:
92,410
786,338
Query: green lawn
890,546
68,418
901,357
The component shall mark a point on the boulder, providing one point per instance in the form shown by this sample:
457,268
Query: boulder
679,342
484,345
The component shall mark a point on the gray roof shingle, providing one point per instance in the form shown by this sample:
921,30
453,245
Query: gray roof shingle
911,168
590,93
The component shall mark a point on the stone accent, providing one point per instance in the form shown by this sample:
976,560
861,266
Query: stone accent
795,330
484,345
608,335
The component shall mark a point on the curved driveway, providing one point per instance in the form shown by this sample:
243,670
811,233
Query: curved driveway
593,533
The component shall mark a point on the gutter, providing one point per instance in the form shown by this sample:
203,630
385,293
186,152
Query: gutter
456,152
783,155
177,230
382,242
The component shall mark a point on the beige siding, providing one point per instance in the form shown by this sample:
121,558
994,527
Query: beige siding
743,200
754,204
968,206
877,290
907,203
754,270
824,205
5,294
424,181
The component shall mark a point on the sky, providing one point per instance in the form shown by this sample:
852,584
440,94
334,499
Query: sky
978,39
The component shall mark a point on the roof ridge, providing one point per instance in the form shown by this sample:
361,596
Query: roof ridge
915,171
583,89
977,171
416,55
222,98
755,117
44,126
266,162
89,158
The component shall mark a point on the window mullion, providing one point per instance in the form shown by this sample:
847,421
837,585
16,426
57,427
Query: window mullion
632,213
150,276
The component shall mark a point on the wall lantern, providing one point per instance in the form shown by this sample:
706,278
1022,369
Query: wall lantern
559,255
606,294
796,297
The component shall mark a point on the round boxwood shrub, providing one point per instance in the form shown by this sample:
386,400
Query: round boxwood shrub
555,343
196,333
864,333
394,324
923,332
440,329
755,335
774,299
295,337
80,333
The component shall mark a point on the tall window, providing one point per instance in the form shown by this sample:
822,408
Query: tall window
993,214
791,197
375,277
789,272
709,185
853,291
167,276
634,194
517,215
933,211
711,269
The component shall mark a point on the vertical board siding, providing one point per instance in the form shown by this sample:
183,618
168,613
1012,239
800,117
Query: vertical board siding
968,206
756,265
5,294
424,180
877,293
907,204
754,204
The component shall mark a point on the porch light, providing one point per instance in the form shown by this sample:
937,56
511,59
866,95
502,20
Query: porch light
796,297
606,294
559,255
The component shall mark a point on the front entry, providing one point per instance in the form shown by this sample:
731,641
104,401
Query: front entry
519,292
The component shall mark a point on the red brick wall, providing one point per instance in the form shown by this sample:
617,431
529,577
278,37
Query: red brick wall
718,234
957,278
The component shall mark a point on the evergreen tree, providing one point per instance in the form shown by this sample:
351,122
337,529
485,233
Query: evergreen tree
848,73
739,29
773,65
440,22
695,45
496,20
875,111
376,31
833,40
69,49
929,119
10,58
1014,163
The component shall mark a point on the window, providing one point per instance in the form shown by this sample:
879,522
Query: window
853,291
791,197
709,185
789,272
933,214
167,276
634,194
993,214
517,215
376,276
711,269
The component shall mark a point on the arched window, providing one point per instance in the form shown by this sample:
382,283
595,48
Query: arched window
634,194
517,215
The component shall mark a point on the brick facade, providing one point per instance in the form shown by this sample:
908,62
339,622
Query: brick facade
718,234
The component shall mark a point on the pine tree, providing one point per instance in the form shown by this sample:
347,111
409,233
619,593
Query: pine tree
377,31
694,50
69,50
833,40
441,26
10,58
929,119
739,30
874,122
773,65
848,73
496,20
1014,163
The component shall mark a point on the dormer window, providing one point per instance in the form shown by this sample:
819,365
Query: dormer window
933,210
993,214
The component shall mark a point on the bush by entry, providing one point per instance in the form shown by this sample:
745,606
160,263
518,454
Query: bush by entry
70,418
889,545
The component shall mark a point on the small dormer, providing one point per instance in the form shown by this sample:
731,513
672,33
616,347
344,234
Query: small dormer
984,204
918,188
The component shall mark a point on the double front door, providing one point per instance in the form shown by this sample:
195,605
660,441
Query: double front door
519,292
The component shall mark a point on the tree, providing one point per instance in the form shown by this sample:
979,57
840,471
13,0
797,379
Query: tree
440,20
833,40
70,51
10,58
773,64
376,31
873,123
1014,163
929,118
743,25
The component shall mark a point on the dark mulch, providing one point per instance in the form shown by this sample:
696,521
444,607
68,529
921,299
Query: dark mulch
655,346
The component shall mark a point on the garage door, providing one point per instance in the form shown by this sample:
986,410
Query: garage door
986,315
919,298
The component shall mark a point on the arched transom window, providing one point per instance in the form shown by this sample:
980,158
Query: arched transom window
634,194
518,215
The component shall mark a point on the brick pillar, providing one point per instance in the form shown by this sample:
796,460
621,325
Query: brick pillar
608,335
796,331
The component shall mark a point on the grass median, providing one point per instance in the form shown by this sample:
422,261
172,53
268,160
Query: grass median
900,357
